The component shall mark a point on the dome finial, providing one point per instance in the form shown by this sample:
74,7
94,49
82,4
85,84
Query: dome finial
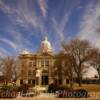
46,38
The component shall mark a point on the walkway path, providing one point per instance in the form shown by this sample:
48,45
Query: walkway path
46,96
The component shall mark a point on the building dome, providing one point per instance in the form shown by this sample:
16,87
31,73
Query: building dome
46,45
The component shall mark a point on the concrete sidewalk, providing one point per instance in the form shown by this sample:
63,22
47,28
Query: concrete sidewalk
47,96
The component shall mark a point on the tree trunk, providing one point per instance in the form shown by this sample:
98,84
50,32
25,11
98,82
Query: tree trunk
99,73
80,74
80,83
99,78
71,83
79,80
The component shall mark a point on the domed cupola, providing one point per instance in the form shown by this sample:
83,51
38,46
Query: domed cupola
24,52
46,46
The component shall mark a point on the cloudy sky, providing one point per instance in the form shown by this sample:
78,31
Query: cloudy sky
24,23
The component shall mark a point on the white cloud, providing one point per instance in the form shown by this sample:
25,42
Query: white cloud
21,14
20,40
60,26
4,7
10,43
90,24
24,16
4,52
43,7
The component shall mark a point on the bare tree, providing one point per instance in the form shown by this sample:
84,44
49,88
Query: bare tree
96,61
81,51
69,69
64,68
1,65
9,68
58,71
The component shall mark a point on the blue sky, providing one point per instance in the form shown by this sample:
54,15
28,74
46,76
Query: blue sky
24,23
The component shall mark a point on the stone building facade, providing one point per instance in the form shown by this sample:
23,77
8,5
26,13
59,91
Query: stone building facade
37,68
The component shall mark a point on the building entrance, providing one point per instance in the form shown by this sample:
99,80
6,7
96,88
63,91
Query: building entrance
45,80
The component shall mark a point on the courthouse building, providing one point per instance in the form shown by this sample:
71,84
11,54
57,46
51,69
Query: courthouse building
37,68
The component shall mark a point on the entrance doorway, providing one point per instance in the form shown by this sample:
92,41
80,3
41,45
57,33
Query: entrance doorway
45,80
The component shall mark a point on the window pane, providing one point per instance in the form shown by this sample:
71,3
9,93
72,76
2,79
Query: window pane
46,62
30,64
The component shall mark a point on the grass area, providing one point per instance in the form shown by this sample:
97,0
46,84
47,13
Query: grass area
88,87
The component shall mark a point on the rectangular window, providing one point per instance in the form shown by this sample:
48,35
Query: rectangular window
29,73
30,64
34,63
33,82
42,62
34,72
46,62
21,81
29,81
